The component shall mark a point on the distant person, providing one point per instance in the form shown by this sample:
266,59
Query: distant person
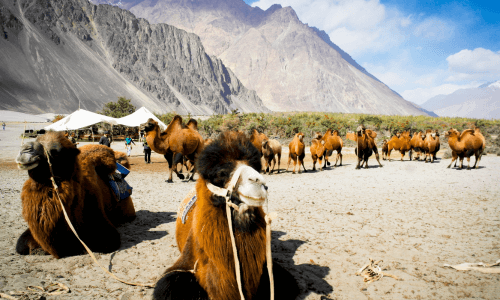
105,140
147,151
128,144
3,125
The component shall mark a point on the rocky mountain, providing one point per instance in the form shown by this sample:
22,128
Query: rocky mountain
55,54
291,66
482,102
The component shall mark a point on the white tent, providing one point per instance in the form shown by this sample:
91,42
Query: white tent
79,119
138,117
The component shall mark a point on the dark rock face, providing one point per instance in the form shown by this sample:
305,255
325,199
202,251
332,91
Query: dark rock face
70,51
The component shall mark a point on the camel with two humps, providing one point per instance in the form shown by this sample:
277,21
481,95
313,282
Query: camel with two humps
469,142
431,145
317,152
417,145
206,266
401,143
175,142
365,139
333,142
296,152
271,149
81,175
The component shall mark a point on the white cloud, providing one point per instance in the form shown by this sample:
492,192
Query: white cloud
420,95
477,64
434,29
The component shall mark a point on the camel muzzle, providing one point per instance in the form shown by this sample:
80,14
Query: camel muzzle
29,156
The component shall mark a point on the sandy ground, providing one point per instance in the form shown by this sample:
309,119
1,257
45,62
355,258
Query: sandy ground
412,215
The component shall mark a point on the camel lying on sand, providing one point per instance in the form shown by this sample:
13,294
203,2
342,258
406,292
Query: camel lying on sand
206,266
82,177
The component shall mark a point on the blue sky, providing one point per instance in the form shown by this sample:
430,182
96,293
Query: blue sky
418,48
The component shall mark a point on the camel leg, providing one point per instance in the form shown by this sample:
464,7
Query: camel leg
320,163
375,150
340,153
302,163
359,161
266,168
326,160
389,154
26,244
454,157
402,155
289,160
314,164
169,158
410,153
468,162
366,163
279,162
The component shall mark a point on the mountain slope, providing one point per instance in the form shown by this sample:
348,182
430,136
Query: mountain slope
57,53
480,102
291,65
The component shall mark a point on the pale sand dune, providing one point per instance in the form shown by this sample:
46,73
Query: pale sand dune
412,215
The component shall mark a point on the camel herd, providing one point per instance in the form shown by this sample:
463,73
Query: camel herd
74,183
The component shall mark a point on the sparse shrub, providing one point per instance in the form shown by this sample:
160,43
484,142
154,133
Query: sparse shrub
447,154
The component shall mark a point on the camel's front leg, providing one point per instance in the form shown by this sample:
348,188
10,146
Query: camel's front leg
377,156
301,162
359,162
478,159
468,162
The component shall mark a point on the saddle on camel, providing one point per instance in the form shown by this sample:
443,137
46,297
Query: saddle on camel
83,186
206,269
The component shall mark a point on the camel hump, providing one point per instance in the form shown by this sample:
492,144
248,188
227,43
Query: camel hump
466,133
192,124
371,133
335,133
314,142
175,124
351,136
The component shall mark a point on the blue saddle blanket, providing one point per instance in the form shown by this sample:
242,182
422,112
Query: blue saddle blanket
120,187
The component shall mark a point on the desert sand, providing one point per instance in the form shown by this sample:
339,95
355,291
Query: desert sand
414,216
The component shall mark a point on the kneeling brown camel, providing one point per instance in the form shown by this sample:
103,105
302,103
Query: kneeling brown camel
82,179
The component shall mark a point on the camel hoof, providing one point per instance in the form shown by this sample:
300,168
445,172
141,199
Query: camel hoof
328,163
181,176
169,181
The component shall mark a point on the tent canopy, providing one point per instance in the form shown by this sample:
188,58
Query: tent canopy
79,119
83,118
138,117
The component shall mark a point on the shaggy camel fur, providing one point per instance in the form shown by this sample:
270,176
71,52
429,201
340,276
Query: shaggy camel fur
177,138
469,142
333,142
82,179
257,138
270,149
205,268
297,152
385,148
317,152
431,145
417,144
366,145
401,143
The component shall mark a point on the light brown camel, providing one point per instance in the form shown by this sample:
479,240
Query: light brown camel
82,179
431,145
466,144
366,145
417,144
296,151
333,142
270,149
317,152
176,139
257,138
401,143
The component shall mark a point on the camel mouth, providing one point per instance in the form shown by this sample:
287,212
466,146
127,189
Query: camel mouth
27,166
252,201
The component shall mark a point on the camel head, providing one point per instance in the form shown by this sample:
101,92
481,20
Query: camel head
317,135
361,130
150,125
300,136
452,133
232,154
32,156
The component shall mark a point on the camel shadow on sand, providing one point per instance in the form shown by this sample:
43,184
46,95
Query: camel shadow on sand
310,277
138,230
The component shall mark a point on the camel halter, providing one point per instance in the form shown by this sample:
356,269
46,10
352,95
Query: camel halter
226,193
56,188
